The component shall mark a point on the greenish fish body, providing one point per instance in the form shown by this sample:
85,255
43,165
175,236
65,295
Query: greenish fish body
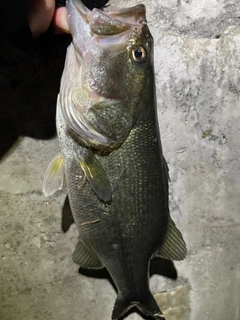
111,156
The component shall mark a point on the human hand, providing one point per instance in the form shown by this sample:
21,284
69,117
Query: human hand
42,13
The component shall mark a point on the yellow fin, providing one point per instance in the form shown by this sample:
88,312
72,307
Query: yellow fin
54,176
85,257
173,246
96,176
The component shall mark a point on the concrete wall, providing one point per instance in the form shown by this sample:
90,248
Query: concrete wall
197,45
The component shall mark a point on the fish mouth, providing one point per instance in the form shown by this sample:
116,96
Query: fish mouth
114,29
111,22
111,28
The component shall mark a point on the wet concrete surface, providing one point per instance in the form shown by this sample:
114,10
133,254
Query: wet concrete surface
197,72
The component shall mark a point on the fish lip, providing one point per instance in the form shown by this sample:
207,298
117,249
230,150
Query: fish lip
138,11
106,22
138,14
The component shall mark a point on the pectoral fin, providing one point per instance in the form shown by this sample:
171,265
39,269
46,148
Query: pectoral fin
54,176
96,176
173,247
85,257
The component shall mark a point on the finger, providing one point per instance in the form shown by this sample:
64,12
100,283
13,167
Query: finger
59,21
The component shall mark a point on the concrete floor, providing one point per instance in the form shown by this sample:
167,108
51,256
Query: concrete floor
197,45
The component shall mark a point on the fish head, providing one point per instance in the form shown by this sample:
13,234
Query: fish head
109,75
119,57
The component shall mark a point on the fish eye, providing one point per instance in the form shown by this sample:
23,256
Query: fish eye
139,54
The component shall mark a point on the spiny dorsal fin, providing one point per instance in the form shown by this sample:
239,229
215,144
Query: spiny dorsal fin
173,246
54,177
96,176
85,257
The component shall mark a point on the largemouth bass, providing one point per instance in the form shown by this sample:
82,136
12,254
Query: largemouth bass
111,157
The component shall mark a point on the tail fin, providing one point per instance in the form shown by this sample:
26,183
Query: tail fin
147,306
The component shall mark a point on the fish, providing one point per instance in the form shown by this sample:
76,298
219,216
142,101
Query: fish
111,160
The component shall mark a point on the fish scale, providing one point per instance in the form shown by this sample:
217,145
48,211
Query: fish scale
134,199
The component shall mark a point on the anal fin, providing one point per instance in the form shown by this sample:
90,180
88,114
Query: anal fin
173,246
85,257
